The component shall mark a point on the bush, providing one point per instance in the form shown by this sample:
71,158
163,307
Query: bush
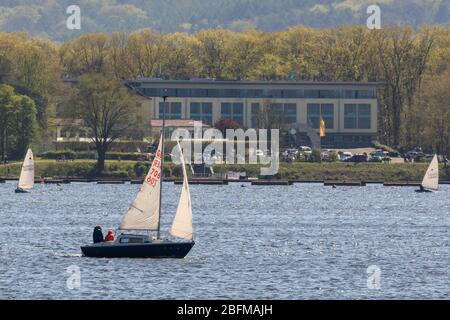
141,168
126,156
316,155
332,157
117,174
58,154
71,155
383,147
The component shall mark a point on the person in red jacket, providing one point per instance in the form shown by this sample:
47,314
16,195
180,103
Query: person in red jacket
109,236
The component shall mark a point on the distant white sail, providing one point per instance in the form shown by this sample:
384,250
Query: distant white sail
143,213
26,180
182,223
431,179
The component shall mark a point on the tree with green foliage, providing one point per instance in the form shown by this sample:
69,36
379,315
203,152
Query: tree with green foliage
18,124
6,109
24,129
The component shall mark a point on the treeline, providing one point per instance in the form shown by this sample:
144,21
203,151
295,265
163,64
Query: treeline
47,18
413,67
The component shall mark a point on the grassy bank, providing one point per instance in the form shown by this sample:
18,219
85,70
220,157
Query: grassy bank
348,171
303,171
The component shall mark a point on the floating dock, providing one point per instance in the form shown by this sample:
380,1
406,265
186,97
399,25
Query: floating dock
110,182
272,183
204,181
345,183
402,183
52,181
307,181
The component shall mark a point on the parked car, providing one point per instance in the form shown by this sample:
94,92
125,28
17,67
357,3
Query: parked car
344,155
305,149
380,155
375,159
357,158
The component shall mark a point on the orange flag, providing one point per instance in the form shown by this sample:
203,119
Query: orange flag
322,127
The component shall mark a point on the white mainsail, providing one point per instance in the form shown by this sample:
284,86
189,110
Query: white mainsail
143,213
182,223
26,180
431,178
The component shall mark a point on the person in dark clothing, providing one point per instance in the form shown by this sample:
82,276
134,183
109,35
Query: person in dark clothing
98,234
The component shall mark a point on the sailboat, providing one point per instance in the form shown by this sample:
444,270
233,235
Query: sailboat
431,179
144,216
26,179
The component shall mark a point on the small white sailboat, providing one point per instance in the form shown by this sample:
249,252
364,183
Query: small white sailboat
144,216
26,180
431,179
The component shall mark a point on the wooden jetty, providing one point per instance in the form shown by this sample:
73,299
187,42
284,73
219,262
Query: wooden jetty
345,183
401,183
270,182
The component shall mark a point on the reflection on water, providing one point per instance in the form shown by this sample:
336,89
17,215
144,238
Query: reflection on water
280,242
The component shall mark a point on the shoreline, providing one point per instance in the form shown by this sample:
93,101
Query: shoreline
128,170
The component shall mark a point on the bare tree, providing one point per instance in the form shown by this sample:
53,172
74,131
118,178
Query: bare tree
106,108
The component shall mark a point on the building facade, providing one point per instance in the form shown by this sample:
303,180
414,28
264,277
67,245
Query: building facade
349,109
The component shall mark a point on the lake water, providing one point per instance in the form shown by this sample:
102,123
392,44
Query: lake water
304,241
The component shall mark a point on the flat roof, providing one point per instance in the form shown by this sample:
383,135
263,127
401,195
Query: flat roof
251,82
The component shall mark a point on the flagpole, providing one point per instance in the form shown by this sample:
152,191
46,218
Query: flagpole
162,164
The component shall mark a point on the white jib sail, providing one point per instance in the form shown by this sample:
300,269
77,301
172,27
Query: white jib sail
182,223
26,180
143,213
431,179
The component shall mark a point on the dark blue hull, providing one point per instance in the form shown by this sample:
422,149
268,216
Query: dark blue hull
18,190
164,249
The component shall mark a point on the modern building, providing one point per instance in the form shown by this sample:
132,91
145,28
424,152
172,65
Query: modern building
174,124
349,109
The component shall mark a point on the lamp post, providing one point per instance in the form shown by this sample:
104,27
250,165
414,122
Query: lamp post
165,96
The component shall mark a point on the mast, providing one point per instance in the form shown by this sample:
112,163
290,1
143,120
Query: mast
162,162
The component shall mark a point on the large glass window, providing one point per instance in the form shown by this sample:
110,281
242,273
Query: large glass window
198,92
173,110
311,93
359,94
290,112
316,110
357,116
287,110
350,116
259,93
201,112
225,109
327,94
254,115
292,93
364,116
234,111
253,93
327,112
